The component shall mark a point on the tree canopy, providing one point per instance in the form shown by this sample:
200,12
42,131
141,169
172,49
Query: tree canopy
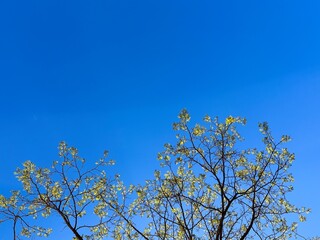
206,188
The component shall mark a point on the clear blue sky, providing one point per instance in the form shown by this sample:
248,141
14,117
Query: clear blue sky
114,74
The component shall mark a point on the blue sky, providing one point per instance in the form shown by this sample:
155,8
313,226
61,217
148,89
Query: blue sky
114,75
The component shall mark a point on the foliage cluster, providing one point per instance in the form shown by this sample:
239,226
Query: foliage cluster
206,188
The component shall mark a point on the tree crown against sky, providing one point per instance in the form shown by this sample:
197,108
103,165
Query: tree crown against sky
207,188
103,74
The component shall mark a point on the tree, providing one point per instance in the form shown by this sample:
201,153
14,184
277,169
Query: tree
206,189
212,190
69,189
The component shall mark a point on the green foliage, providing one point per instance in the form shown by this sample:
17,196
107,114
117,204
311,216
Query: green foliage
206,189
212,190
68,189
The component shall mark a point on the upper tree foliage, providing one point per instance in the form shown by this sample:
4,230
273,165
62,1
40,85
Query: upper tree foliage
207,188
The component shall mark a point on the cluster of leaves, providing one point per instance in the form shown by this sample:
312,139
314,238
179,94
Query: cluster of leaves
69,190
206,189
211,190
